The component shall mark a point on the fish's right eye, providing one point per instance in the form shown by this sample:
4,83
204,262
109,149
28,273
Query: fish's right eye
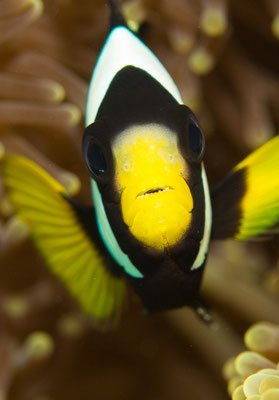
97,153
95,159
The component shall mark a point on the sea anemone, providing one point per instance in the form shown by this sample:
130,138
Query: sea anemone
254,374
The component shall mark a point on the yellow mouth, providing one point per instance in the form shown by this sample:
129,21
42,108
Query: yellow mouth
156,202
158,216
154,191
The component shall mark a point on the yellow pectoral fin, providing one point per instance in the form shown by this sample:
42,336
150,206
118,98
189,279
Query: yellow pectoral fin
246,204
260,203
41,203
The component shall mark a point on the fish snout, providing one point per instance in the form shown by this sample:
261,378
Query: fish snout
158,214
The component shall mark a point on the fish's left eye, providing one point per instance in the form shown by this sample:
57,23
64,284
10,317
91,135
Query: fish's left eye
196,140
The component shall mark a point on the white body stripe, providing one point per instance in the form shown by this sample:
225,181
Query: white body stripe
207,224
123,48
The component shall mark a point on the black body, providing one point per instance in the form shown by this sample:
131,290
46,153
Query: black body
168,280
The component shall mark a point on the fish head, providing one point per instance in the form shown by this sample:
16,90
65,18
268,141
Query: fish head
149,169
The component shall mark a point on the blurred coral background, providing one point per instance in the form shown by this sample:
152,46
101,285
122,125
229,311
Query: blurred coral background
224,57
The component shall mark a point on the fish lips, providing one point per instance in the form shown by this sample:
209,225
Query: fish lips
158,215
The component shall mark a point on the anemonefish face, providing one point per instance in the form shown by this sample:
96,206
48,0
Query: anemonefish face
150,171
156,202
151,179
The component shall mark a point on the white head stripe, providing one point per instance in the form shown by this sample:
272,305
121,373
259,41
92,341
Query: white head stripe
108,237
207,224
123,48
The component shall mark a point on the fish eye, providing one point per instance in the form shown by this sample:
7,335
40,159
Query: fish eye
95,159
96,152
196,140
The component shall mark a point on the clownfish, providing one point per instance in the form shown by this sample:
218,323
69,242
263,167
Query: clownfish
153,214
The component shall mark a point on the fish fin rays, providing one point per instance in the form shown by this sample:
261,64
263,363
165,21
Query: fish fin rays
246,204
64,239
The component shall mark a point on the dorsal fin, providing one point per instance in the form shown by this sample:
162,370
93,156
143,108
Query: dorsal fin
116,18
